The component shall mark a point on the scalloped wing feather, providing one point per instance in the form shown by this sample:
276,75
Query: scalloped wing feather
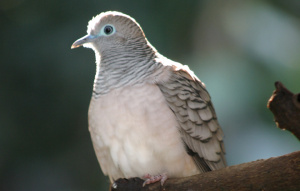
189,100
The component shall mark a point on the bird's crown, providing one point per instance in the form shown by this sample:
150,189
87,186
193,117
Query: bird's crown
117,20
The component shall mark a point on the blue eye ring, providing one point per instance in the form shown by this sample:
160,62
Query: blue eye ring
108,29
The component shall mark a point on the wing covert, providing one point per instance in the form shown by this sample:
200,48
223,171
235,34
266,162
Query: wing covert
201,133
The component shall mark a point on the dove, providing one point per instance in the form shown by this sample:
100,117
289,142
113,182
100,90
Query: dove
149,116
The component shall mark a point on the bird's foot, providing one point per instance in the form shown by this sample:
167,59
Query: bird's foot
149,179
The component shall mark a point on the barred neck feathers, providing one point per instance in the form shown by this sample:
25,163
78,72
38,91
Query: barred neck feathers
123,54
124,66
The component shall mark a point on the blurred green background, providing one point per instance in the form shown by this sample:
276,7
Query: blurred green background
237,48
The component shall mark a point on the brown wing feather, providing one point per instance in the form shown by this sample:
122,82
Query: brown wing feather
187,97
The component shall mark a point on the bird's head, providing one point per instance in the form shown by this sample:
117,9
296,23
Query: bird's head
111,31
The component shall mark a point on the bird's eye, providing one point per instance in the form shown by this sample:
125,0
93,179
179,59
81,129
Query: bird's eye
108,29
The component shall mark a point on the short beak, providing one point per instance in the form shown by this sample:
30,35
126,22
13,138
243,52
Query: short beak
82,41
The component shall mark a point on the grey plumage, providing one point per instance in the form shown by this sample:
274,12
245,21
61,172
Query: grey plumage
148,114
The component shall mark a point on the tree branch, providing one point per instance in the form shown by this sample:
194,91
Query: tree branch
286,109
276,174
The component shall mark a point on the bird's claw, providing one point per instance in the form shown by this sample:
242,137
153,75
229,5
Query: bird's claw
149,179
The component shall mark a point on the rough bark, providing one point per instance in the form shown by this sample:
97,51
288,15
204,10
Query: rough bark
274,174
278,173
286,109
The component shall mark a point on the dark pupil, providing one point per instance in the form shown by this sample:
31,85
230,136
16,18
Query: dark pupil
108,29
